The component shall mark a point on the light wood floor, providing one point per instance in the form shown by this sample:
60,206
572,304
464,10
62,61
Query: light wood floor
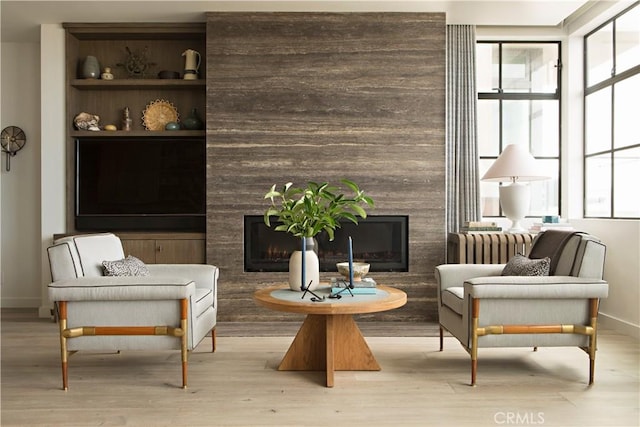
240,386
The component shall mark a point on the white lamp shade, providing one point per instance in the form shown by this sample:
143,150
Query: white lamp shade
514,164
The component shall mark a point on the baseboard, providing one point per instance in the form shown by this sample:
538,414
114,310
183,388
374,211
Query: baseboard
13,302
45,312
606,321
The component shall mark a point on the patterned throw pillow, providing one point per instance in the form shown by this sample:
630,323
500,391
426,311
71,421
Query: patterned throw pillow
520,265
130,266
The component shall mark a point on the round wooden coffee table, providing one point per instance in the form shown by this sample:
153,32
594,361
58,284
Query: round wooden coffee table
329,339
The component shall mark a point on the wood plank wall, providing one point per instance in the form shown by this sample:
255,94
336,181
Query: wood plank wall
321,96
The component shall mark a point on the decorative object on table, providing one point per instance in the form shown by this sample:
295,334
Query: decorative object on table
538,227
12,139
304,270
127,122
106,74
87,121
90,68
191,64
110,127
172,126
166,74
136,63
340,286
158,113
550,219
354,281
516,165
193,121
350,262
360,269
350,273
305,212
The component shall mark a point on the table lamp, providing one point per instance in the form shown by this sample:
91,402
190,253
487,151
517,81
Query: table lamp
515,165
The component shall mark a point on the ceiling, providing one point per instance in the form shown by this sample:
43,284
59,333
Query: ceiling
21,18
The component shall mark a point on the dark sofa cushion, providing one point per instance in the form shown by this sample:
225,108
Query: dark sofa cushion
520,265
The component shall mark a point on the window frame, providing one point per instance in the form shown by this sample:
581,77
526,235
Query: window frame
611,83
499,95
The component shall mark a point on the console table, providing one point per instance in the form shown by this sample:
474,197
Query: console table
329,339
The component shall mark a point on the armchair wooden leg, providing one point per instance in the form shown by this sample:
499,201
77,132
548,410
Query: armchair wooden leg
475,313
62,307
183,339
213,340
593,314
441,338
63,345
474,371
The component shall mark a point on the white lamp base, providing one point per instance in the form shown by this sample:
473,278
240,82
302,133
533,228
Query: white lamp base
515,199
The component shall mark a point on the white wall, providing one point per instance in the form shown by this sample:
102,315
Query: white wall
52,166
21,185
33,192
622,270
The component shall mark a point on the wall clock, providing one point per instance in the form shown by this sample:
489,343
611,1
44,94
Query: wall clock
12,139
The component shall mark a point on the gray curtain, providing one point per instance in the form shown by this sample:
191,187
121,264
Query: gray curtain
463,182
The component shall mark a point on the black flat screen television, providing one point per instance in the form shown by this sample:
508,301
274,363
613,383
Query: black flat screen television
140,184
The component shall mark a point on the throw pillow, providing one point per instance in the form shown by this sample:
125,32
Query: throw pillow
520,265
129,266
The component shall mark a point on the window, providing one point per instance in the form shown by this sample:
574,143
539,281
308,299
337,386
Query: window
519,103
611,125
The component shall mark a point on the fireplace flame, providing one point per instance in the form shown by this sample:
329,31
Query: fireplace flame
275,253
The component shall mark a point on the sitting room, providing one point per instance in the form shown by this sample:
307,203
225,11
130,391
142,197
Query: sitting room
314,212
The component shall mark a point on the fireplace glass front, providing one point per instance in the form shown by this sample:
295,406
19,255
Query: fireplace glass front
382,241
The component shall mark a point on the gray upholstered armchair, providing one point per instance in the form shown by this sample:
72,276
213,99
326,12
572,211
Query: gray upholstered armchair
149,307
482,308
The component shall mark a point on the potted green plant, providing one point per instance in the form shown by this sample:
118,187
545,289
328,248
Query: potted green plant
305,212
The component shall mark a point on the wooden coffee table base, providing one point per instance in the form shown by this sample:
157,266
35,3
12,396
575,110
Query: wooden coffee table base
329,339
329,342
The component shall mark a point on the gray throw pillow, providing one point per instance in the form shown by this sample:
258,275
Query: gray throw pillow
520,265
130,266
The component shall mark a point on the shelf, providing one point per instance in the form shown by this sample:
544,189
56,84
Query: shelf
137,134
136,31
155,47
137,84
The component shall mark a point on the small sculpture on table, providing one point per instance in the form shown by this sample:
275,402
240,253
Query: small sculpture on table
307,288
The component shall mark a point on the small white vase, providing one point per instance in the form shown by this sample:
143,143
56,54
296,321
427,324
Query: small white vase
312,268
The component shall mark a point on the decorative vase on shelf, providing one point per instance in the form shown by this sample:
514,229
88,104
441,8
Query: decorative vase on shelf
193,121
127,122
191,64
311,267
91,68
107,74
172,126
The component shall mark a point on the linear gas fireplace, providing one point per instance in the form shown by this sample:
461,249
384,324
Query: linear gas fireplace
382,241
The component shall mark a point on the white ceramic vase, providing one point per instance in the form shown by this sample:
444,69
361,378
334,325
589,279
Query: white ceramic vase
312,267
